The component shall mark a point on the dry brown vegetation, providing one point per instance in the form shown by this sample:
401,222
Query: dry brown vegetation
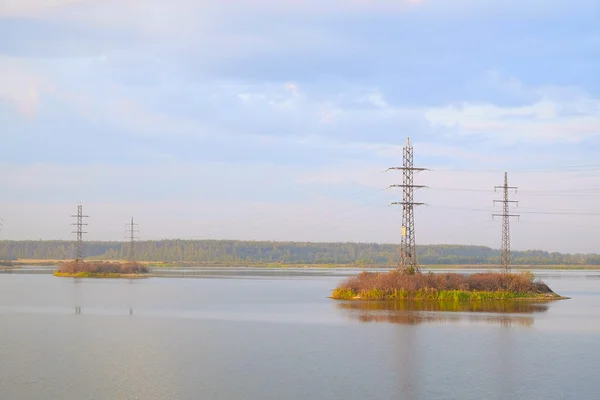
103,268
397,285
487,282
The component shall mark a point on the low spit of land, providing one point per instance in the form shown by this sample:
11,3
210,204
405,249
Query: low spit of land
5,264
191,264
398,285
83,269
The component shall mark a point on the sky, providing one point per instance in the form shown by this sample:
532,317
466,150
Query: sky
276,119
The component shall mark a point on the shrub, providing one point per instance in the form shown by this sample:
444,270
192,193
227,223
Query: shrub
103,268
450,286
343,294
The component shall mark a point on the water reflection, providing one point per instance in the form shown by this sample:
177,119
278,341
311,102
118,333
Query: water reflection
96,311
504,313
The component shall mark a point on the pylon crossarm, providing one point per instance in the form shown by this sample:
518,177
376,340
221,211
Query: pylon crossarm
408,169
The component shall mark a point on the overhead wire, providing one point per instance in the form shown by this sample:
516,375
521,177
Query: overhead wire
554,223
573,212
346,210
320,224
525,191
571,168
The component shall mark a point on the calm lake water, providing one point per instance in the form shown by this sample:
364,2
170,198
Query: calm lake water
262,335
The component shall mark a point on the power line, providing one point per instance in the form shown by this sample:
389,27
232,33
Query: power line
571,168
568,210
408,253
543,191
531,191
506,215
574,212
79,224
344,212
593,192
560,213
560,223
461,189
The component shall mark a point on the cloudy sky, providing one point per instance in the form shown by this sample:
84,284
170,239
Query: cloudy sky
274,119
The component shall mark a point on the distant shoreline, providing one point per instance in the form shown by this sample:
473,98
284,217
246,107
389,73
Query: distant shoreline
170,265
238,252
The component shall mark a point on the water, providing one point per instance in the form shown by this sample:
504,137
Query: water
275,335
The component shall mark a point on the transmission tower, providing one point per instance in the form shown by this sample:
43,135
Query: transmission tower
131,235
79,224
505,251
408,253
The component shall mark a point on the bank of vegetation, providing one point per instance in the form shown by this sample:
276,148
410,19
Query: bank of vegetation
397,285
102,270
236,252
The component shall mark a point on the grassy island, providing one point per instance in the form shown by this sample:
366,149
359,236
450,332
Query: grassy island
80,269
399,285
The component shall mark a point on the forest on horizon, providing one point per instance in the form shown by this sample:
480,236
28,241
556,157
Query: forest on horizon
240,251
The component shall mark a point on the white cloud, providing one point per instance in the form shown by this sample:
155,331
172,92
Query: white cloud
20,87
133,117
64,178
546,120
292,87
33,7
282,97
555,115
229,108
149,8
345,115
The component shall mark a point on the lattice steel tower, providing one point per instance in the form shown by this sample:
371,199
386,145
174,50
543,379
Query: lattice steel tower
131,231
505,251
79,224
408,253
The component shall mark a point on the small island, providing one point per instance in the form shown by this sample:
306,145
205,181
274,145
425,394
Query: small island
82,269
402,285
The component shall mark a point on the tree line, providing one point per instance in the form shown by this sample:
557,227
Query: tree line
238,251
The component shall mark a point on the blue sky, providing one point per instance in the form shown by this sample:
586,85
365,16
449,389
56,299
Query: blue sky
273,119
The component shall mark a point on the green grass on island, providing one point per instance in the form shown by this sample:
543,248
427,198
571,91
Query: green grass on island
399,285
81,269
